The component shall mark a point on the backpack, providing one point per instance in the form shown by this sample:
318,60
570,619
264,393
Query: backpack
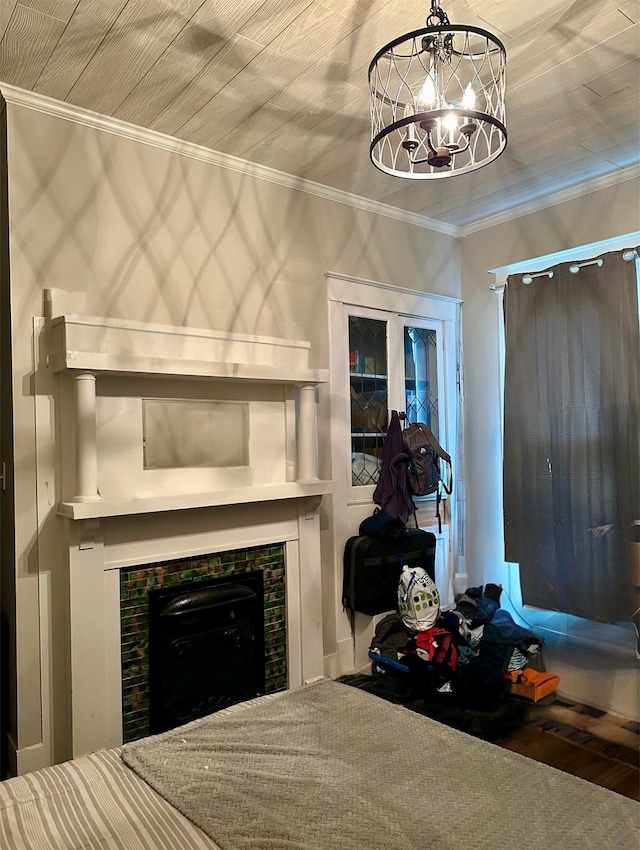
424,454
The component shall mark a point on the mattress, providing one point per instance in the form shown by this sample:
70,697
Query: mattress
321,767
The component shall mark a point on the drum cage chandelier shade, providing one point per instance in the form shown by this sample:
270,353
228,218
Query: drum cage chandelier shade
437,100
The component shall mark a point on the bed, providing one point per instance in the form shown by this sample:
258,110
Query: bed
321,767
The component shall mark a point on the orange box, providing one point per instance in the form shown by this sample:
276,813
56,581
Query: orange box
533,684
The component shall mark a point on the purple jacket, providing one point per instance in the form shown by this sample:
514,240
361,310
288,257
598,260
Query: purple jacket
392,492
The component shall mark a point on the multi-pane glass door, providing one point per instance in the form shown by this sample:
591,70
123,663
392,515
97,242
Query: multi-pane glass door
369,395
394,364
421,376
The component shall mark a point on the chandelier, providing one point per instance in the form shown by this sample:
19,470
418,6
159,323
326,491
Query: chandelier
437,100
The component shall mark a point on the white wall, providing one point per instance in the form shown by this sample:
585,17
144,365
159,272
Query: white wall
152,235
612,681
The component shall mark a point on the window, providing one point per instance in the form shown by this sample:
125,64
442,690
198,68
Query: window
575,445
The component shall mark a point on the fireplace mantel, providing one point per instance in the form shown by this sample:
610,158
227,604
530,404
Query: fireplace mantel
87,347
237,496
115,511
117,347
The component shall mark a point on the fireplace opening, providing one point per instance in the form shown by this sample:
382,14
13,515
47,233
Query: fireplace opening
206,648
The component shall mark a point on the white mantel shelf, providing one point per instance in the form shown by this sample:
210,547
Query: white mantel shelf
156,504
116,347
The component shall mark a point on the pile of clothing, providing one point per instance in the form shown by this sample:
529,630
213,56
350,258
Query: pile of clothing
466,652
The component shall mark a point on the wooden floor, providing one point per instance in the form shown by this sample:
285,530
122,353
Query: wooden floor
593,745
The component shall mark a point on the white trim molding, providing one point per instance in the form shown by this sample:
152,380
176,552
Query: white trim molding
79,115
382,296
67,111
552,199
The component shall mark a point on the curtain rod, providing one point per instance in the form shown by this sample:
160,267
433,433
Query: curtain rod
526,279
627,255
577,266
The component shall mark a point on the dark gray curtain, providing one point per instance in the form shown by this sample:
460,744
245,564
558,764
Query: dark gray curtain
571,454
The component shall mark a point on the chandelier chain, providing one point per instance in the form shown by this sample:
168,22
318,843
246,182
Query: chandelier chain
437,16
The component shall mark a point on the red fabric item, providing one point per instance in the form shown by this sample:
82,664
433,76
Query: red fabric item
437,645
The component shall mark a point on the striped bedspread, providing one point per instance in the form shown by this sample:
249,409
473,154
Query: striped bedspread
95,803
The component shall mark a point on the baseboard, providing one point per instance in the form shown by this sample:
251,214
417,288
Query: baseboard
339,662
27,759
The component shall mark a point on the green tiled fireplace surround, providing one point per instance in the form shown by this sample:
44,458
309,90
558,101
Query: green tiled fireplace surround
135,584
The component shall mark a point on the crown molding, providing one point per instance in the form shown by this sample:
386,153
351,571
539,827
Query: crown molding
79,115
87,118
553,199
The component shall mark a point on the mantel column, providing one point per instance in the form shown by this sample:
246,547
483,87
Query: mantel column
307,434
86,449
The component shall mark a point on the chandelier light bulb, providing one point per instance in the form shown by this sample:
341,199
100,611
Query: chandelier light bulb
469,97
450,121
427,96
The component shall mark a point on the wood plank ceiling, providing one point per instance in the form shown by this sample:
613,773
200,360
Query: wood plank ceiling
283,83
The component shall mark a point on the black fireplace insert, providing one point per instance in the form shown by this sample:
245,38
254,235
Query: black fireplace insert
206,648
